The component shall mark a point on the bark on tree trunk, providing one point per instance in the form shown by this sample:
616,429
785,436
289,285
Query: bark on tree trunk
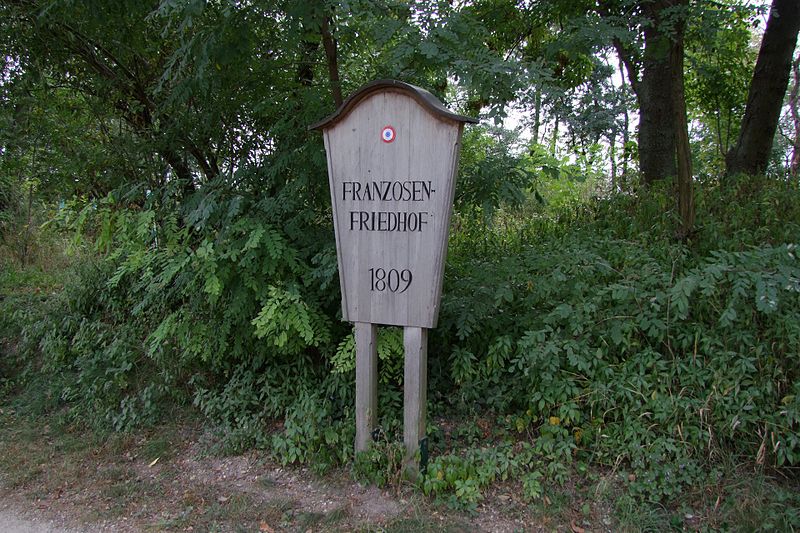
29,218
656,122
623,178
612,155
537,116
181,170
767,89
329,43
554,138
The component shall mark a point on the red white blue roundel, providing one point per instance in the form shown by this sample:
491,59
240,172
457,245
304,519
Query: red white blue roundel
388,134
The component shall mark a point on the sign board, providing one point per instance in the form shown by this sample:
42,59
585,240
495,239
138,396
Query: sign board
392,160
392,154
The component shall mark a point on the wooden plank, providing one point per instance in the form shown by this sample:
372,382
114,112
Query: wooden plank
366,383
334,206
415,394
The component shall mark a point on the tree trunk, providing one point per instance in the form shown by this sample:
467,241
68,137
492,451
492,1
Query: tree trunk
612,156
554,139
623,178
29,217
656,122
181,170
329,43
537,114
305,71
767,89
29,220
684,189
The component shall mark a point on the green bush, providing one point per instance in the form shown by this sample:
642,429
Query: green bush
645,349
586,330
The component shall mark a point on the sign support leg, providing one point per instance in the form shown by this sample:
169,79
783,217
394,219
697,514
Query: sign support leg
366,383
415,387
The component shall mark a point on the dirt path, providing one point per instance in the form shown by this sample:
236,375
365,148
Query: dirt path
59,480
189,491
12,521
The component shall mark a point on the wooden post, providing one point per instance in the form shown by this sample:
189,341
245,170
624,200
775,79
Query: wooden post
366,383
415,389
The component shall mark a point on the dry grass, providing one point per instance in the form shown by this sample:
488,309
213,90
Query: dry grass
164,479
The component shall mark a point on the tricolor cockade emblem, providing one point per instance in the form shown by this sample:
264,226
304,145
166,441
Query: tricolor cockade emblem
387,134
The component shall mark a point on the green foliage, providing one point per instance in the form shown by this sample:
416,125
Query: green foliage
390,354
588,332
637,347
720,62
177,138
165,309
381,464
9,200
532,486
460,478
664,471
490,176
315,433
25,238
537,455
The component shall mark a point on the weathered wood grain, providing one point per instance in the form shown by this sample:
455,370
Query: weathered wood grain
420,163
366,383
415,393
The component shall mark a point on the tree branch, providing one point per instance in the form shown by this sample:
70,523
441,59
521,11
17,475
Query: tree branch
329,43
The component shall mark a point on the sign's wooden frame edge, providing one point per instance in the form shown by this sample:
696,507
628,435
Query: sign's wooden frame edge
423,97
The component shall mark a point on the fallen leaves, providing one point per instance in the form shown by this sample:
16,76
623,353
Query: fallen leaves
576,528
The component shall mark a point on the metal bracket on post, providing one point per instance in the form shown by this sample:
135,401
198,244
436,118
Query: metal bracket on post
415,389
366,383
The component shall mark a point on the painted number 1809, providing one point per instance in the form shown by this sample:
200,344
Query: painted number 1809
391,280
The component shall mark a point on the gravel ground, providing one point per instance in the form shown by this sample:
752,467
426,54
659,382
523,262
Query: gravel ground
12,522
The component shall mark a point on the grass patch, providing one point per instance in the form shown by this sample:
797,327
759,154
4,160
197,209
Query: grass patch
236,509
308,519
419,524
106,475
758,502
37,457
160,447
633,516
18,281
336,516
266,482
276,510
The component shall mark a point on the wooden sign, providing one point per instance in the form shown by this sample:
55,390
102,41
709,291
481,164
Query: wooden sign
392,158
